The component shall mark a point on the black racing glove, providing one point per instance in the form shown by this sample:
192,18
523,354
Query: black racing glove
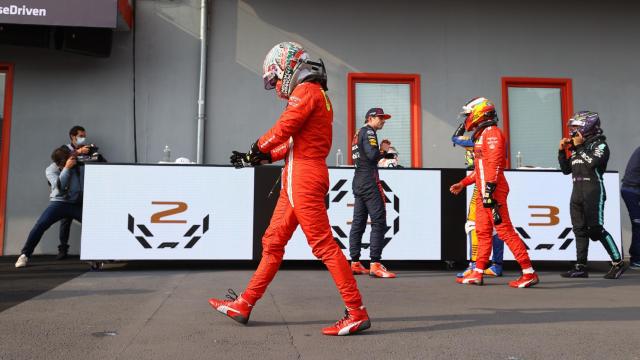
497,219
487,198
256,157
239,160
489,202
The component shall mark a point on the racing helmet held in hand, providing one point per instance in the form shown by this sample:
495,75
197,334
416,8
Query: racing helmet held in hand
478,111
280,67
586,122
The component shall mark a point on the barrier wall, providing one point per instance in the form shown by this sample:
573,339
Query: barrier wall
413,216
165,212
539,208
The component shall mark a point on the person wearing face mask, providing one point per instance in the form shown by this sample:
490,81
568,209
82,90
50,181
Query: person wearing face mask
84,152
66,179
302,135
78,136
369,196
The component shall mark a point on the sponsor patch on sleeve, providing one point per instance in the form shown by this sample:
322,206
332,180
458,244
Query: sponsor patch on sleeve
492,142
294,101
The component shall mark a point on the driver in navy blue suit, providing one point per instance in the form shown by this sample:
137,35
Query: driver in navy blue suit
369,196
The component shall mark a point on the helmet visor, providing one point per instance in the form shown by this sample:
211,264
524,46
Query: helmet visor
576,122
462,118
270,81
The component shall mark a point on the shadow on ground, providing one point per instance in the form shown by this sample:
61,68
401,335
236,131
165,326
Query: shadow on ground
489,317
43,274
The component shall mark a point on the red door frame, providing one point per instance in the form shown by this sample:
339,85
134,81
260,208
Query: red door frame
4,152
566,100
413,80
126,11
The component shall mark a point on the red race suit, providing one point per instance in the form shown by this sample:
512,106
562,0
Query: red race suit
302,136
489,151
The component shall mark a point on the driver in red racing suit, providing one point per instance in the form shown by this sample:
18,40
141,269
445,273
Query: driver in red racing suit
491,207
302,135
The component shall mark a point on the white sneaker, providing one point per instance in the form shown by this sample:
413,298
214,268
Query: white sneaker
22,261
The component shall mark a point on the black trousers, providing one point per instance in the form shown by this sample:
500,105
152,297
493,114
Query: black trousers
368,203
65,229
587,218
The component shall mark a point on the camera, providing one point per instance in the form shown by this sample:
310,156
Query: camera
92,156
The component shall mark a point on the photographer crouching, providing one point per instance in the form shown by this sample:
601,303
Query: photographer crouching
66,179
84,152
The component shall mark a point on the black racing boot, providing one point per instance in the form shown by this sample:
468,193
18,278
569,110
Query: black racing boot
577,271
617,269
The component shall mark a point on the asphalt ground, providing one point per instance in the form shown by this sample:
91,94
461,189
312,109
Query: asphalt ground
43,274
59,310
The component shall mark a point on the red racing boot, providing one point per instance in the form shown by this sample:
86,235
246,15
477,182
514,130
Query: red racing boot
355,320
474,278
378,270
235,307
525,281
358,269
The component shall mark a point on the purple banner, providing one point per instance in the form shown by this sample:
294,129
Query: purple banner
89,13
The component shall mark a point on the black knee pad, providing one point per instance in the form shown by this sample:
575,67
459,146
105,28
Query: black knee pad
596,233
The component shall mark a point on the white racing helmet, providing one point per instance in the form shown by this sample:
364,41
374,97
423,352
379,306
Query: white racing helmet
286,65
